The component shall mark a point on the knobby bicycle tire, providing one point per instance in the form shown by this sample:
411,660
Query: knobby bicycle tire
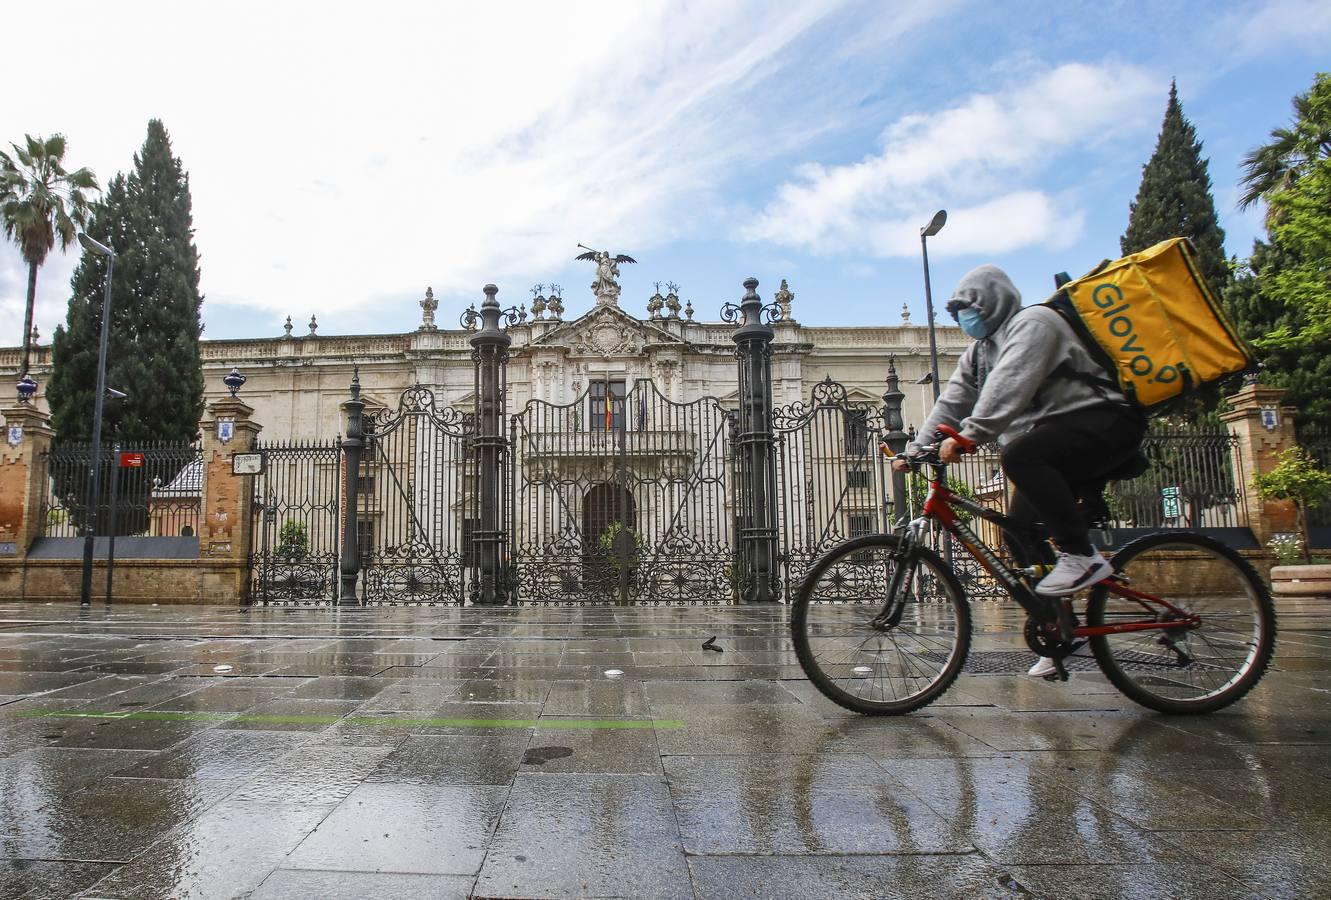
1138,672
834,563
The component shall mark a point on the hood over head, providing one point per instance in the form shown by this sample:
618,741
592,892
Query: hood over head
989,290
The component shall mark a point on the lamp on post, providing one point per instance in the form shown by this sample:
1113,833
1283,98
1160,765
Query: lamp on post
95,450
935,225
26,389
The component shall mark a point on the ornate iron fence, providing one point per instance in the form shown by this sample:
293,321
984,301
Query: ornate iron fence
147,489
416,503
831,480
297,525
620,497
1194,482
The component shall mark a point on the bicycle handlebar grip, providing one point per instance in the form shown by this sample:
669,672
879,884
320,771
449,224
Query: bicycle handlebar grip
967,445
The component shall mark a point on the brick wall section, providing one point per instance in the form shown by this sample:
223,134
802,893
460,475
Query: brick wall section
1260,448
22,487
164,581
227,499
13,497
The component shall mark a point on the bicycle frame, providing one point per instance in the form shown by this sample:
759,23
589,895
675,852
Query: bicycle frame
942,504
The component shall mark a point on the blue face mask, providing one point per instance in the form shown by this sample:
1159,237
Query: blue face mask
972,323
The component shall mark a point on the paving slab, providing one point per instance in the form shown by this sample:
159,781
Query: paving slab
831,803
950,877
586,836
225,853
298,884
440,829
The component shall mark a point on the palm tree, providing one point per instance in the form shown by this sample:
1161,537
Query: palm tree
40,201
1276,166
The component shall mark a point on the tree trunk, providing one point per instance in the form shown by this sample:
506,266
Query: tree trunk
27,319
1301,520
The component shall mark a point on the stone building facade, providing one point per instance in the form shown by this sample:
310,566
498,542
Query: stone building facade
297,382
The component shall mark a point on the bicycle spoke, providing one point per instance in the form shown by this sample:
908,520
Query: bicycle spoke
890,667
1203,665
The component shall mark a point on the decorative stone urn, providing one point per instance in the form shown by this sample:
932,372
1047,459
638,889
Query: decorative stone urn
1301,581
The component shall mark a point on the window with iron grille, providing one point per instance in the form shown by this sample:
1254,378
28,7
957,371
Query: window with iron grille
469,527
857,432
860,525
859,478
605,414
365,537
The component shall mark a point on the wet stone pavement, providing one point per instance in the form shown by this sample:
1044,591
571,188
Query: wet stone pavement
430,752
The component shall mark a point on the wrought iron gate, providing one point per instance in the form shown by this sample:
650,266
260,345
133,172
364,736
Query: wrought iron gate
831,483
621,497
416,503
297,525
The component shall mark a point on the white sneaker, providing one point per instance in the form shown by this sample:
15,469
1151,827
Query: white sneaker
1072,573
1043,668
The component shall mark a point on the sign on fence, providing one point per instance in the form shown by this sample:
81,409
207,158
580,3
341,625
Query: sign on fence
1172,507
131,460
247,464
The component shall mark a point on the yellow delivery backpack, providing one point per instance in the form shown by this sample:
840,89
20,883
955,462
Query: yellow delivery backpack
1154,324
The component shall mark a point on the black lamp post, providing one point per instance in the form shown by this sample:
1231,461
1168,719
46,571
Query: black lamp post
95,450
935,225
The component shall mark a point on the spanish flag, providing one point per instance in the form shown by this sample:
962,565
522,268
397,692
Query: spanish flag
609,411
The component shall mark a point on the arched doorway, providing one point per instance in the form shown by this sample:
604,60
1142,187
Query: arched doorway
603,506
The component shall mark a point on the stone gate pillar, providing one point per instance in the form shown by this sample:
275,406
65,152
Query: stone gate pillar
756,500
226,500
28,436
1264,428
490,354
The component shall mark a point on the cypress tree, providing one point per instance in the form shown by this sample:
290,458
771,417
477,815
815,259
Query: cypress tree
153,349
1174,199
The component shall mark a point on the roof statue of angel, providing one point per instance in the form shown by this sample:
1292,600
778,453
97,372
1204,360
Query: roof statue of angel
605,287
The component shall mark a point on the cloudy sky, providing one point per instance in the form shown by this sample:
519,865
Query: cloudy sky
342,158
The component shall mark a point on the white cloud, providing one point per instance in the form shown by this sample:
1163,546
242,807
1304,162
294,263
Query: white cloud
338,155
1273,26
967,158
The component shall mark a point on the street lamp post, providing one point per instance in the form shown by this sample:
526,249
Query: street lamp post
95,450
935,225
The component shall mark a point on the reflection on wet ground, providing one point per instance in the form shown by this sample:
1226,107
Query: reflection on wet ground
428,752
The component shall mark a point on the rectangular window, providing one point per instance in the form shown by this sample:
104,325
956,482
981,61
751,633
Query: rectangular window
857,432
605,406
469,527
860,526
364,485
859,478
365,537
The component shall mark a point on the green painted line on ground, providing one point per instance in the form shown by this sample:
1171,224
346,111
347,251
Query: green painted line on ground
556,724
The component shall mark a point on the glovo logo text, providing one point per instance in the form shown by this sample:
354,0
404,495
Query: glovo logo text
1118,315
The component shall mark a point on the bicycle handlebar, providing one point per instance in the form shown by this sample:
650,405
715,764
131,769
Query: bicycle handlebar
967,445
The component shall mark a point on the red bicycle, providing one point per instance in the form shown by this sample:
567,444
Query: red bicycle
882,625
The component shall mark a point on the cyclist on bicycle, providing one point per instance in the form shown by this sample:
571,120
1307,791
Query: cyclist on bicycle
1029,383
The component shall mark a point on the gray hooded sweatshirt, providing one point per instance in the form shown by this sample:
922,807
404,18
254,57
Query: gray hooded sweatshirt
1005,383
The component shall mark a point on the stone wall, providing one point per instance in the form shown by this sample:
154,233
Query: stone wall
165,581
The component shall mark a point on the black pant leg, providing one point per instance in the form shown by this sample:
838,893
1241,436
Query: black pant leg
1045,462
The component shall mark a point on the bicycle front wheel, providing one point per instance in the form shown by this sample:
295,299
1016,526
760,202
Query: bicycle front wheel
1191,669
856,659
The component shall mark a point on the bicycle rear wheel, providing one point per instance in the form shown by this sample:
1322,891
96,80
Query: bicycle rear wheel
855,661
1189,669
